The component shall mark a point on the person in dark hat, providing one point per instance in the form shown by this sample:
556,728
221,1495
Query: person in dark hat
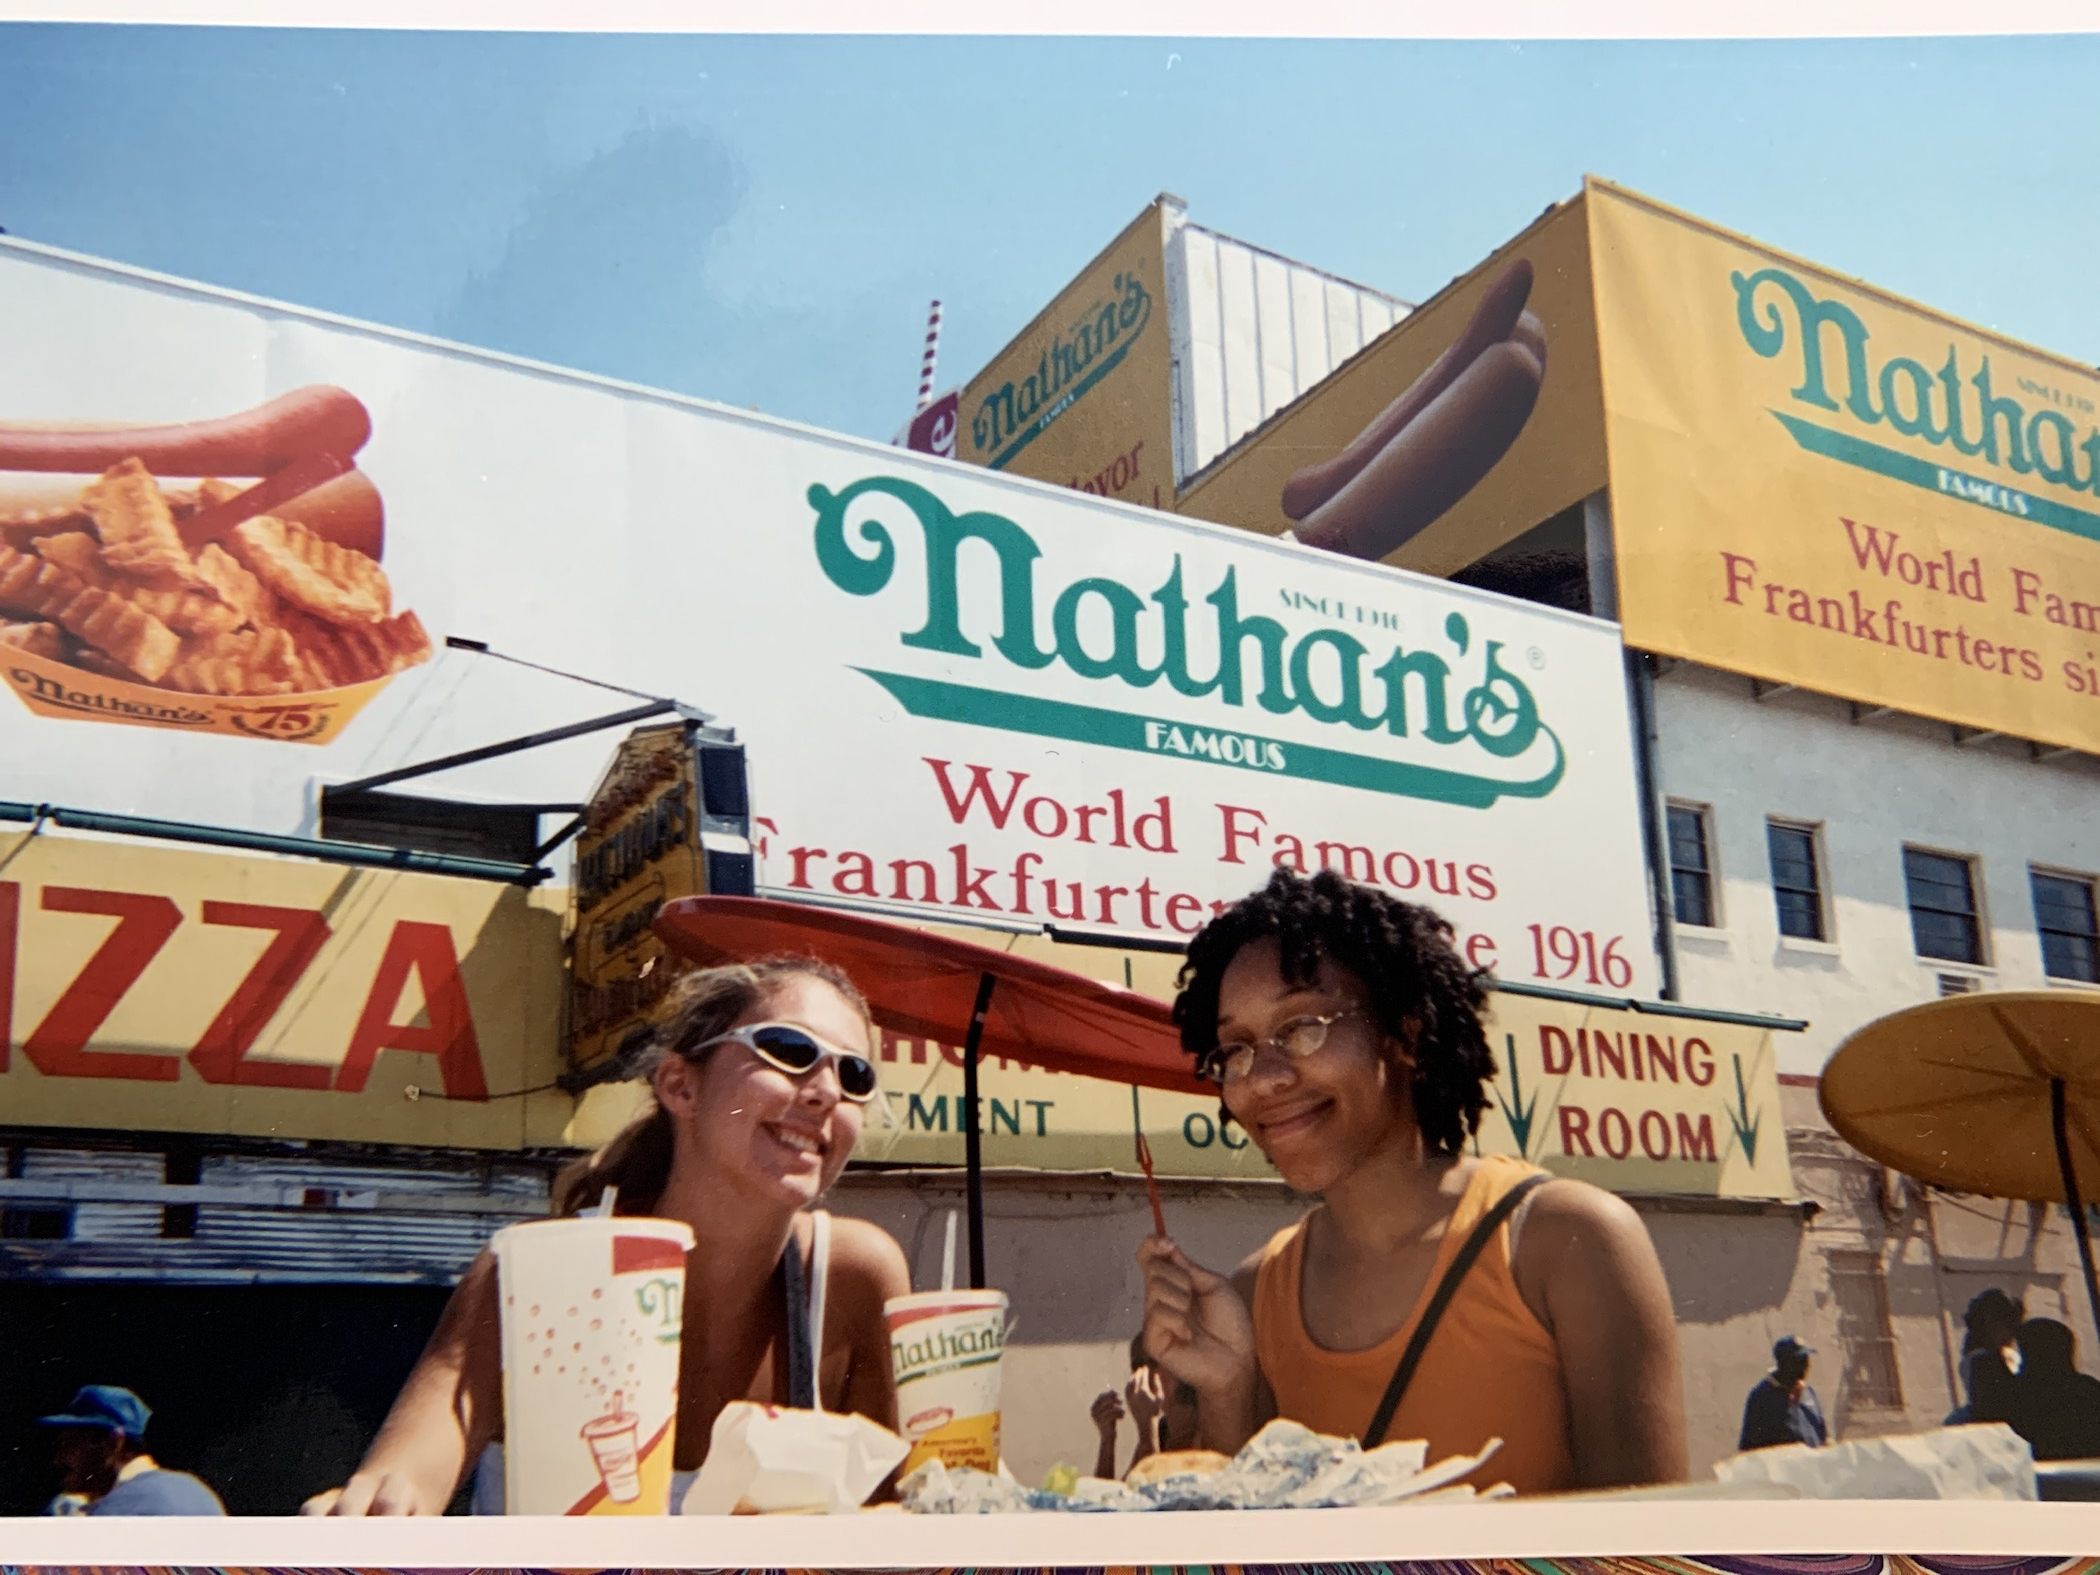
1989,1328
1782,1409
102,1455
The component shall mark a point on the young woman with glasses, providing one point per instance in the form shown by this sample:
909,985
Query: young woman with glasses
762,1076
1344,1033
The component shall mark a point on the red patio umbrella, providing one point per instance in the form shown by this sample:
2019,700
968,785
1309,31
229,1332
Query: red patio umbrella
936,987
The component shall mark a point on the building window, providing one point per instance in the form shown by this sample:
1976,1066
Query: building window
31,1222
1691,866
1943,919
507,833
1866,1337
2063,913
1797,880
182,1167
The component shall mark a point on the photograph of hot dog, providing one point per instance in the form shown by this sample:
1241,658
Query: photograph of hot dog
235,559
1437,441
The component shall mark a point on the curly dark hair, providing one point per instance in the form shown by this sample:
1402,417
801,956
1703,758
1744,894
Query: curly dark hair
1401,951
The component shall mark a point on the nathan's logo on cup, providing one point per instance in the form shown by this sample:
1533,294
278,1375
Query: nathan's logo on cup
661,1302
1448,714
591,1312
945,1348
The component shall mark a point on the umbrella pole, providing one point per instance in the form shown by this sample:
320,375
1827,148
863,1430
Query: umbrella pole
973,1136
2059,1119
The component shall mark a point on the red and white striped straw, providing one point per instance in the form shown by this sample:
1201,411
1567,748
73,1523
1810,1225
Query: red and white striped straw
933,350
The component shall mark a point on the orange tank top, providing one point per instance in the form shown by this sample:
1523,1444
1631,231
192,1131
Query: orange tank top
1490,1369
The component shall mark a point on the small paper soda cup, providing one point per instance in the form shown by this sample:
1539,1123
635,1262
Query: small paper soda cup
945,1348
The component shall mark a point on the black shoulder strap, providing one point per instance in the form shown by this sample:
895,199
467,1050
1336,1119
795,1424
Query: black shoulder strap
1411,1358
802,1368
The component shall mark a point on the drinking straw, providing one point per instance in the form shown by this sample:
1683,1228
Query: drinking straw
604,1205
1144,1159
948,1256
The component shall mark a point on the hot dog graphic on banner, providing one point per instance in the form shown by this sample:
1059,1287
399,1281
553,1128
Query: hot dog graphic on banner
1438,440
1476,418
217,576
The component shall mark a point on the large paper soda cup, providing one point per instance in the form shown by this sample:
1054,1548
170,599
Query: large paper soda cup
945,1348
591,1318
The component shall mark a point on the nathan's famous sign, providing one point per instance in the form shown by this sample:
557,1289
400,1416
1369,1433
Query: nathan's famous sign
1082,397
1819,484
1418,698
971,695
1237,704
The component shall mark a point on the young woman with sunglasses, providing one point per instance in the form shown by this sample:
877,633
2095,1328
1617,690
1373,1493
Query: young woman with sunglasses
1344,1032
761,1079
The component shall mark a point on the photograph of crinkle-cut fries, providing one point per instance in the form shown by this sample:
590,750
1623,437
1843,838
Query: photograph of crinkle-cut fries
108,585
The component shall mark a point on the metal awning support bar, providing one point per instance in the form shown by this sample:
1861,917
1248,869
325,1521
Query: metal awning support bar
1652,1008
561,836
2059,1123
363,855
553,735
1120,940
973,1137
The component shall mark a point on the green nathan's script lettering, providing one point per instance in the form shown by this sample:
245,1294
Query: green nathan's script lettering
1326,674
1774,309
947,1348
1010,416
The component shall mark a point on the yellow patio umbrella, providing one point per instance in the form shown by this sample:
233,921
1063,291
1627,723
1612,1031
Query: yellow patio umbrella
1996,1094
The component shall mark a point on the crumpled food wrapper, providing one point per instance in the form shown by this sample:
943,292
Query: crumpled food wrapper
1284,1466
768,1460
1988,1461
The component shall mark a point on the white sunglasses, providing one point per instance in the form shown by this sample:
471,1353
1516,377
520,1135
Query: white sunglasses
798,1052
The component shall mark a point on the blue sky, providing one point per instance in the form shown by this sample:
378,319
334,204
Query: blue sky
762,221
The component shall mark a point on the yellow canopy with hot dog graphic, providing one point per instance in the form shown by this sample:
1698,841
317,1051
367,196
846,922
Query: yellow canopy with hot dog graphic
1475,419
1808,479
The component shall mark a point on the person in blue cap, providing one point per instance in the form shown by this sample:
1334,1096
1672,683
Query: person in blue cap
102,1455
1782,1409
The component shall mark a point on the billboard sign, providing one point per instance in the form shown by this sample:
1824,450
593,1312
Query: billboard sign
961,694
639,848
1631,1101
157,989
1083,397
1817,483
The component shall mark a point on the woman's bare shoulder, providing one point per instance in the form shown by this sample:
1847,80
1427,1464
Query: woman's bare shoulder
1578,1235
1576,1213
864,1253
